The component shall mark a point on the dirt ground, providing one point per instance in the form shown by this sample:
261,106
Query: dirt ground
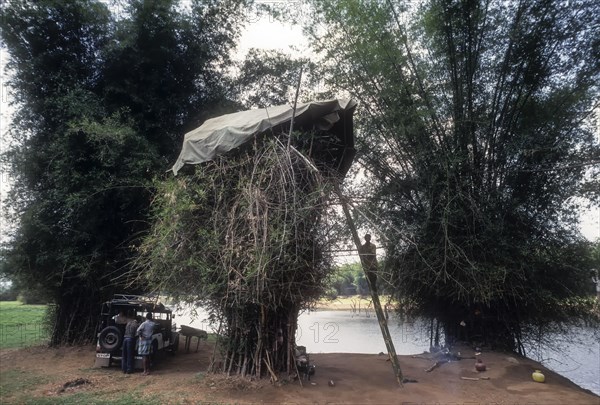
357,379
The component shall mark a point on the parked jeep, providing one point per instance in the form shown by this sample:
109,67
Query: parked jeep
110,332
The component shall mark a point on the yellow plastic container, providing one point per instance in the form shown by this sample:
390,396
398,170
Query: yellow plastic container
538,376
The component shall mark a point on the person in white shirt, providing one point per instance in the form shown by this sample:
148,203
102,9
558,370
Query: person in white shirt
145,331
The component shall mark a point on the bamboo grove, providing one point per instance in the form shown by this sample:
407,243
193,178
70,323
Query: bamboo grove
477,137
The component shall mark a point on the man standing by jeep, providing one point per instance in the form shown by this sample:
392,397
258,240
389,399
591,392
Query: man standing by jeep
145,331
129,344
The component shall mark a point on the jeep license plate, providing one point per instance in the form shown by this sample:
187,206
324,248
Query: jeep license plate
103,355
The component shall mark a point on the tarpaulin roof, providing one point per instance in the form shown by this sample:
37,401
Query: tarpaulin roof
220,135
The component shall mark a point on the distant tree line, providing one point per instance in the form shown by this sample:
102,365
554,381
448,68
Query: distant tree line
347,279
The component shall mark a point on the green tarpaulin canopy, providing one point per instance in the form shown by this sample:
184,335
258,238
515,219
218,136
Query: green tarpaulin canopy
220,135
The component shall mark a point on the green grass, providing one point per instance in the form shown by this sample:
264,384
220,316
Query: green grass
16,386
14,312
21,325
14,382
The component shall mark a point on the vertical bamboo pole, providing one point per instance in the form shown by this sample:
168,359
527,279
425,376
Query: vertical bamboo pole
380,315
294,108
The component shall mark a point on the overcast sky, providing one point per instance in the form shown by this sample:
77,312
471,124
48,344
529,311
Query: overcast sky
264,32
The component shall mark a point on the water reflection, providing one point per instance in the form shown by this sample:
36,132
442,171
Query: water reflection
346,332
575,355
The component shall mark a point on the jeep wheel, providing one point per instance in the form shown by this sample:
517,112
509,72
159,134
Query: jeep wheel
110,338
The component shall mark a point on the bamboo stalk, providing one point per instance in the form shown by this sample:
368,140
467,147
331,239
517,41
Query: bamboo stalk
239,363
294,108
268,364
289,347
211,366
244,365
297,371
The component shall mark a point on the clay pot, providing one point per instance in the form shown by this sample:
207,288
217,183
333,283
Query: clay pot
479,365
538,376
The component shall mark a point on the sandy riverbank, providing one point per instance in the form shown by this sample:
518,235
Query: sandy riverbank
357,379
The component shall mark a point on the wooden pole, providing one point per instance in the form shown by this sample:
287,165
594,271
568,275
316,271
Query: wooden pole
380,315
294,108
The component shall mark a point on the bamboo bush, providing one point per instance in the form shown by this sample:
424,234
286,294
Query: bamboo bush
244,237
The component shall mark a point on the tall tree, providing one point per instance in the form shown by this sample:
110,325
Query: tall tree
475,139
101,103
167,66
53,48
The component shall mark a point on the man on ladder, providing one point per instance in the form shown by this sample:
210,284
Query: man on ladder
368,254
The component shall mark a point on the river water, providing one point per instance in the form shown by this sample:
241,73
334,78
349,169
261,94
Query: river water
576,356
